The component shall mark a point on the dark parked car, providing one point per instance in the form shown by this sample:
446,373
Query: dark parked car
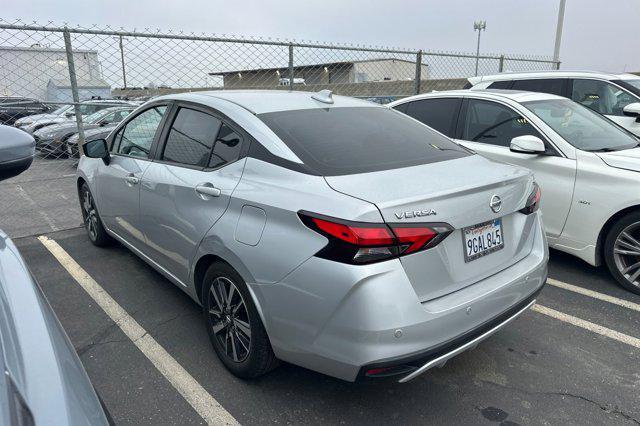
42,380
89,135
52,139
15,107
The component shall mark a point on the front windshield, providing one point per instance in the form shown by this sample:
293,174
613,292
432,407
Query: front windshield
581,127
632,85
95,117
61,110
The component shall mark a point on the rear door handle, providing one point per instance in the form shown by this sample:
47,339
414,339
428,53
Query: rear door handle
131,180
207,190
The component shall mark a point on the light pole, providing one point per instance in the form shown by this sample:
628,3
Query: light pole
479,25
556,50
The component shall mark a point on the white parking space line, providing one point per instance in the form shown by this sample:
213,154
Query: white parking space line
594,294
587,325
201,401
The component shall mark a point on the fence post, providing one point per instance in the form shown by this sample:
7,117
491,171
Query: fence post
557,65
418,71
124,73
290,67
501,64
74,86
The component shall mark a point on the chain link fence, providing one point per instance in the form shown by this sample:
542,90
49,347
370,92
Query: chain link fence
67,84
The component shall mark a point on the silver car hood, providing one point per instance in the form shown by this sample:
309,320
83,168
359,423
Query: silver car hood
628,159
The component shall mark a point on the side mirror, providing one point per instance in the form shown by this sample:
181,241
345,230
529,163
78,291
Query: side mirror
632,110
97,148
16,151
527,144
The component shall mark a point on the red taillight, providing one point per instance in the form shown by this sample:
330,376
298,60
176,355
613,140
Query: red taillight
374,235
533,201
356,242
414,238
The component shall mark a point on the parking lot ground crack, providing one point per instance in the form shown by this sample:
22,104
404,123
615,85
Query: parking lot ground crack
606,407
97,338
86,348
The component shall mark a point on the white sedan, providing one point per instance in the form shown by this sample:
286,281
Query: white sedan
587,167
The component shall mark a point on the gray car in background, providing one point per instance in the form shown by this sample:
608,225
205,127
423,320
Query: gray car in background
326,231
42,381
51,140
71,144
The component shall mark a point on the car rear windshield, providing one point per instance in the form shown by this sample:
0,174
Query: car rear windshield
350,140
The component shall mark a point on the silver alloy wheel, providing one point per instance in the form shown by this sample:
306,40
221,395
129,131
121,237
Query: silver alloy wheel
626,253
90,215
229,318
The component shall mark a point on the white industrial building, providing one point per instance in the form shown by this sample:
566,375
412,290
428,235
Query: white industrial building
344,72
42,73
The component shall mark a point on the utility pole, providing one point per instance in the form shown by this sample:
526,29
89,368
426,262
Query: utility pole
556,50
124,73
479,25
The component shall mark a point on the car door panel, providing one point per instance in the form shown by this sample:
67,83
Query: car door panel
119,195
178,205
119,188
188,187
555,174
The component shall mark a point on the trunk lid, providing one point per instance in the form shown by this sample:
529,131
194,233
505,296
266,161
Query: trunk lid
457,192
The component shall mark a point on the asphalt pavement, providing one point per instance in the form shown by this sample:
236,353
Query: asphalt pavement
538,370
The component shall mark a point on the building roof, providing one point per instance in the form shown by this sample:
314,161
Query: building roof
43,49
301,67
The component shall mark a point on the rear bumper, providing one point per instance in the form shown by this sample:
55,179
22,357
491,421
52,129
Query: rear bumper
342,320
437,357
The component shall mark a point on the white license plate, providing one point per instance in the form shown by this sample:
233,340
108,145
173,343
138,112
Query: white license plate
482,239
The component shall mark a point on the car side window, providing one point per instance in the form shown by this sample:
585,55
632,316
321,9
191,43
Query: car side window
554,86
494,123
227,148
191,138
506,84
601,96
440,114
136,137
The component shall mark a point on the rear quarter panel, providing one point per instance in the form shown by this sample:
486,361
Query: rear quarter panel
601,191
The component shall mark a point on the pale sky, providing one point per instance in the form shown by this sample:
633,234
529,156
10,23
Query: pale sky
598,34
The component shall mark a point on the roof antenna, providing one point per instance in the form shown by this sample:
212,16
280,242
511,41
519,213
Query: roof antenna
324,96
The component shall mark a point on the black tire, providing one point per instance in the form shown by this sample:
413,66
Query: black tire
624,267
226,323
91,219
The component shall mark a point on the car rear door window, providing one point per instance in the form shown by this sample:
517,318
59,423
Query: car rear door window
227,149
191,138
500,84
350,140
493,123
601,96
440,114
136,137
554,86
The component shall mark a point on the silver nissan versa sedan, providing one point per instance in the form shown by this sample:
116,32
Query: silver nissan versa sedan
325,231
